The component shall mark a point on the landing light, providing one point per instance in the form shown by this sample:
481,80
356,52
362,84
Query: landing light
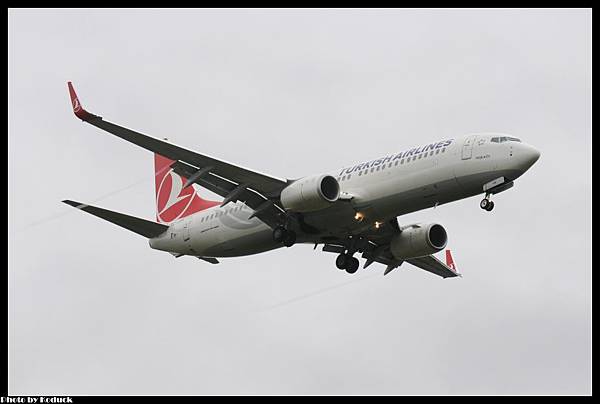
378,225
359,217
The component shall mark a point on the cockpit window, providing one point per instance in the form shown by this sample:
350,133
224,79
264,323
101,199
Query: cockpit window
505,139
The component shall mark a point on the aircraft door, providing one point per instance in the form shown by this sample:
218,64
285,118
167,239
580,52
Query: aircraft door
467,149
187,237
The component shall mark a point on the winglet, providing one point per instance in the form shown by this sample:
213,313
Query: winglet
450,261
77,108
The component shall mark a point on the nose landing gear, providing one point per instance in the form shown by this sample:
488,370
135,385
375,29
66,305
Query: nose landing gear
486,203
496,186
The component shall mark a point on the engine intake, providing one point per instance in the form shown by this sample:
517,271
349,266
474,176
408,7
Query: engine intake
419,240
310,193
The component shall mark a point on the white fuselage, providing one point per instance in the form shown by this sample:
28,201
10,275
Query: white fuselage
375,191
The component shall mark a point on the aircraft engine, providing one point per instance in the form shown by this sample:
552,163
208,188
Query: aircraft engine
418,240
310,193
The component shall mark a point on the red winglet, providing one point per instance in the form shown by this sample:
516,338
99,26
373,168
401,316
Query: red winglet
77,108
450,261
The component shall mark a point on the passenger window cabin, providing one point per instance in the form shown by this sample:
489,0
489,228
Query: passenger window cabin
408,160
502,139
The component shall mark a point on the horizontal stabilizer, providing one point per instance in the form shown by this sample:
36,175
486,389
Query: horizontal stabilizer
143,227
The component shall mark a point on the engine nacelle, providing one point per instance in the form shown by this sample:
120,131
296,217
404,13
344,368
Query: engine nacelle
419,240
310,193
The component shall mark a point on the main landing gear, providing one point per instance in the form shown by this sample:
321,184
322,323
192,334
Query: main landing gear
285,236
347,262
486,203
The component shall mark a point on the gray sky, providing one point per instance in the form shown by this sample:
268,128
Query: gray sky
93,310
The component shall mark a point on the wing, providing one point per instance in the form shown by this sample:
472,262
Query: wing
232,182
375,247
428,263
435,266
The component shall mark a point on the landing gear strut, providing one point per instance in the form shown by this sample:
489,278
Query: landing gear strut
347,262
285,236
486,203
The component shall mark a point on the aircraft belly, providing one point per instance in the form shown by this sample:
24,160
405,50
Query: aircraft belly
230,236
416,191
204,237
333,220
417,198
383,206
240,243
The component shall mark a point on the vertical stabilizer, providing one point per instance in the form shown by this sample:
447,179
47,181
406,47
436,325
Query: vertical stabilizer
173,201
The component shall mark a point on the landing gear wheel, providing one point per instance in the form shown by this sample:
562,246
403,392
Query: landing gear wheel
484,203
289,239
279,234
352,266
490,206
341,261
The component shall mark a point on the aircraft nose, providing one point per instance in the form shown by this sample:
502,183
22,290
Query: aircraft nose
526,156
530,155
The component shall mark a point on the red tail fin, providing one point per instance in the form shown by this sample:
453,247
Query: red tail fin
172,200
450,260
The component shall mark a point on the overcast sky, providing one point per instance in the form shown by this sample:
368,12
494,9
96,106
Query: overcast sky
94,310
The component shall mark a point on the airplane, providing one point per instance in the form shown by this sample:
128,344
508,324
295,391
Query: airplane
351,211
